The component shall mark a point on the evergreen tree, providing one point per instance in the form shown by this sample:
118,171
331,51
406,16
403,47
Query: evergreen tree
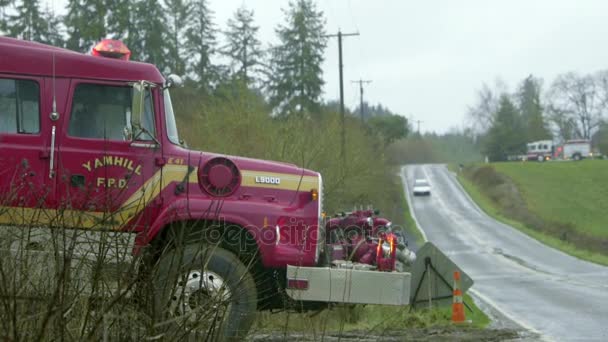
73,22
54,35
121,25
177,12
243,47
532,110
506,136
85,23
151,23
118,21
297,76
28,23
200,45
4,4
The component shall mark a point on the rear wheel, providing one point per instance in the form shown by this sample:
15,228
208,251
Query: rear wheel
541,159
204,291
576,157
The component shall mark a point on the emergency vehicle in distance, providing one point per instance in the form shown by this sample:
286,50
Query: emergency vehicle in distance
91,142
544,150
576,149
541,150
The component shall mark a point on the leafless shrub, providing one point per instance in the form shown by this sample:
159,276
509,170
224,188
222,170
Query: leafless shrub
75,284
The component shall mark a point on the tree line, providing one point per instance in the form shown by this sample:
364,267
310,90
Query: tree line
181,37
575,106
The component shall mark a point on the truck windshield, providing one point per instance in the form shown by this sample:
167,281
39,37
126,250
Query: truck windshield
170,119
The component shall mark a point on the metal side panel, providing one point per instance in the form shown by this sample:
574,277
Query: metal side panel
433,276
350,286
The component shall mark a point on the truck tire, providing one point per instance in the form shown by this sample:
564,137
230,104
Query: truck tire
540,159
204,291
576,156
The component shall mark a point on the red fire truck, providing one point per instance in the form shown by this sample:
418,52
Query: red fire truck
89,142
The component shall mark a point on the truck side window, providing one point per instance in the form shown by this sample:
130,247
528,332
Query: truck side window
19,106
103,112
148,119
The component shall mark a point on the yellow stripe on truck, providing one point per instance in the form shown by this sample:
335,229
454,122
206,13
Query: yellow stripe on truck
130,208
140,198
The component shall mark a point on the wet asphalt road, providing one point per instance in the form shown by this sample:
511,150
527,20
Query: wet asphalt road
520,280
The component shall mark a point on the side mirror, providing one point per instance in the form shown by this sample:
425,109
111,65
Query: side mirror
173,81
137,105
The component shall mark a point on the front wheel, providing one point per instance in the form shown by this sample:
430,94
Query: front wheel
204,291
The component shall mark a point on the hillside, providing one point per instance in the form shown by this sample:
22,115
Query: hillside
569,193
562,203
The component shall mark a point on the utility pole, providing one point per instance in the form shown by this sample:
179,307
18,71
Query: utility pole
340,66
418,122
360,81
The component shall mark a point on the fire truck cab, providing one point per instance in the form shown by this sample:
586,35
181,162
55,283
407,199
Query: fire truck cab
91,143
541,150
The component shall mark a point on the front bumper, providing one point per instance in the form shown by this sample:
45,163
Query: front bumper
430,279
340,285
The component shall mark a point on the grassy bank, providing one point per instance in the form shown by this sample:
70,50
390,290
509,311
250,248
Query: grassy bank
559,204
570,193
373,319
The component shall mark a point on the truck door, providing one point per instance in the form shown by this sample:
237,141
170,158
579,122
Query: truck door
103,166
24,150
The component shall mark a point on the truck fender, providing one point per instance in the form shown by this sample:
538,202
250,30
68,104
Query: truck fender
200,209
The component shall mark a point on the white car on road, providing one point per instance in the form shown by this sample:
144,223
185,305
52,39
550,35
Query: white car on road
421,187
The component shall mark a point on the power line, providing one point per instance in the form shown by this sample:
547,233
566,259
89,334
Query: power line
361,82
339,35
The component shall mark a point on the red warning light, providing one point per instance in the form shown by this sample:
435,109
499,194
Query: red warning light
111,48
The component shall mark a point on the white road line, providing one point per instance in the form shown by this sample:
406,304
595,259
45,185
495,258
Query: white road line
496,307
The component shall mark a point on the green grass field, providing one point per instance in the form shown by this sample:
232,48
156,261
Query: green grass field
569,195
567,192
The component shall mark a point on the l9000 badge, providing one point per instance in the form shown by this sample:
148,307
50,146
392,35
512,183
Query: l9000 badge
268,180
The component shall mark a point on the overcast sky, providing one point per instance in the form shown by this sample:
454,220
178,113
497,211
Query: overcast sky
428,58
